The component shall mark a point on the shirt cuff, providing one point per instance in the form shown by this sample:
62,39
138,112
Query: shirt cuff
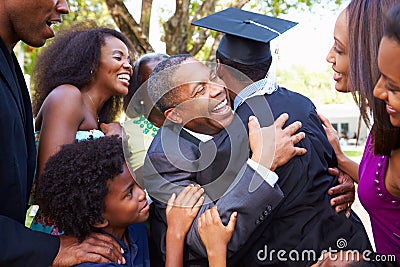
269,176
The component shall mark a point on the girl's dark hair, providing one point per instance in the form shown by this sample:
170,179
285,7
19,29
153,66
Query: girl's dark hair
386,137
72,189
73,58
135,108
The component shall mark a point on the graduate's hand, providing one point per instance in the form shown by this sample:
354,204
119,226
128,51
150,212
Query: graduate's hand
344,191
97,248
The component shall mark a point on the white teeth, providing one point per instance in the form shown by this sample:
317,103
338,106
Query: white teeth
51,23
220,105
125,77
337,74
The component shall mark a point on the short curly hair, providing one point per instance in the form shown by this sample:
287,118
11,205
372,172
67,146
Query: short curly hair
72,189
161,86
73,57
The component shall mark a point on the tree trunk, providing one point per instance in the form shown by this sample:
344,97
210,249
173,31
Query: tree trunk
128,26
145,16
176,29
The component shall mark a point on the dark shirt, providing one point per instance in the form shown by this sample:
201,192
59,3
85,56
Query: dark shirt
136,255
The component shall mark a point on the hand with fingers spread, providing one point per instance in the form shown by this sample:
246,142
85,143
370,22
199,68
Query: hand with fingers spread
344,192
215,236
273,146
180,212
285,139
331,133
98,248
344,162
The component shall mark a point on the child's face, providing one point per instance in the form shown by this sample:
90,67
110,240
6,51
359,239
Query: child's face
125,203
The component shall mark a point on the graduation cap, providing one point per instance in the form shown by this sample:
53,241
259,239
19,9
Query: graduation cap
247,34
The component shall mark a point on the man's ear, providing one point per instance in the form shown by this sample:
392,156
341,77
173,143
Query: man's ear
173,115
221,71
101,225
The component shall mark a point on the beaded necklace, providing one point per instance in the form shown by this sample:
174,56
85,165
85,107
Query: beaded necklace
379,182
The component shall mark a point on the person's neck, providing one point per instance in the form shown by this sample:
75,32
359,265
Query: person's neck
119,233
7,36
94,100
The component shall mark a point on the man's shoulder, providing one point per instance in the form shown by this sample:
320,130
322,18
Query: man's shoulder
169,138
295,96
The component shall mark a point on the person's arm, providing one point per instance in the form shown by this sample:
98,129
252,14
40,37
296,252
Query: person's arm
21,246
344,163
215,235
347,173
180,213
344,191
60,122
97,248
249,194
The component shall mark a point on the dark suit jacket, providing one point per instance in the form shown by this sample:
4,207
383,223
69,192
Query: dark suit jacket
19,246
175,158
304,220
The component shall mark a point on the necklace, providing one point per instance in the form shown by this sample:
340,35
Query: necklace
91,100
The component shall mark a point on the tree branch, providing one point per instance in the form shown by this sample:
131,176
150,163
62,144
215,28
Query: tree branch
145,16
127,24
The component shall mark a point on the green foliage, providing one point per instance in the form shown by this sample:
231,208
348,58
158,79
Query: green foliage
353,153
318,86
83,10
278,7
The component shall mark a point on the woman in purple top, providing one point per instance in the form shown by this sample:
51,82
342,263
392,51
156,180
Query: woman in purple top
354,59
380,187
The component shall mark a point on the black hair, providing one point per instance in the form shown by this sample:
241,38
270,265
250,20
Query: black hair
73,186
162,90
73,58
386,137
134,109
255,72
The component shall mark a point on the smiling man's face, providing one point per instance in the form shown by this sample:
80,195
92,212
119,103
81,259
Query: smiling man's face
204,100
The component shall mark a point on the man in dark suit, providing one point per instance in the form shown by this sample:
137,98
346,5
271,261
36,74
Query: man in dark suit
304,221
30,21
199,118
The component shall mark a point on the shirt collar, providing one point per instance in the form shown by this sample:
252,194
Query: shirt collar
202,137
248,91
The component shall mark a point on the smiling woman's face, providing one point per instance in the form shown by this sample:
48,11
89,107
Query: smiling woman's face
388,86
338,56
